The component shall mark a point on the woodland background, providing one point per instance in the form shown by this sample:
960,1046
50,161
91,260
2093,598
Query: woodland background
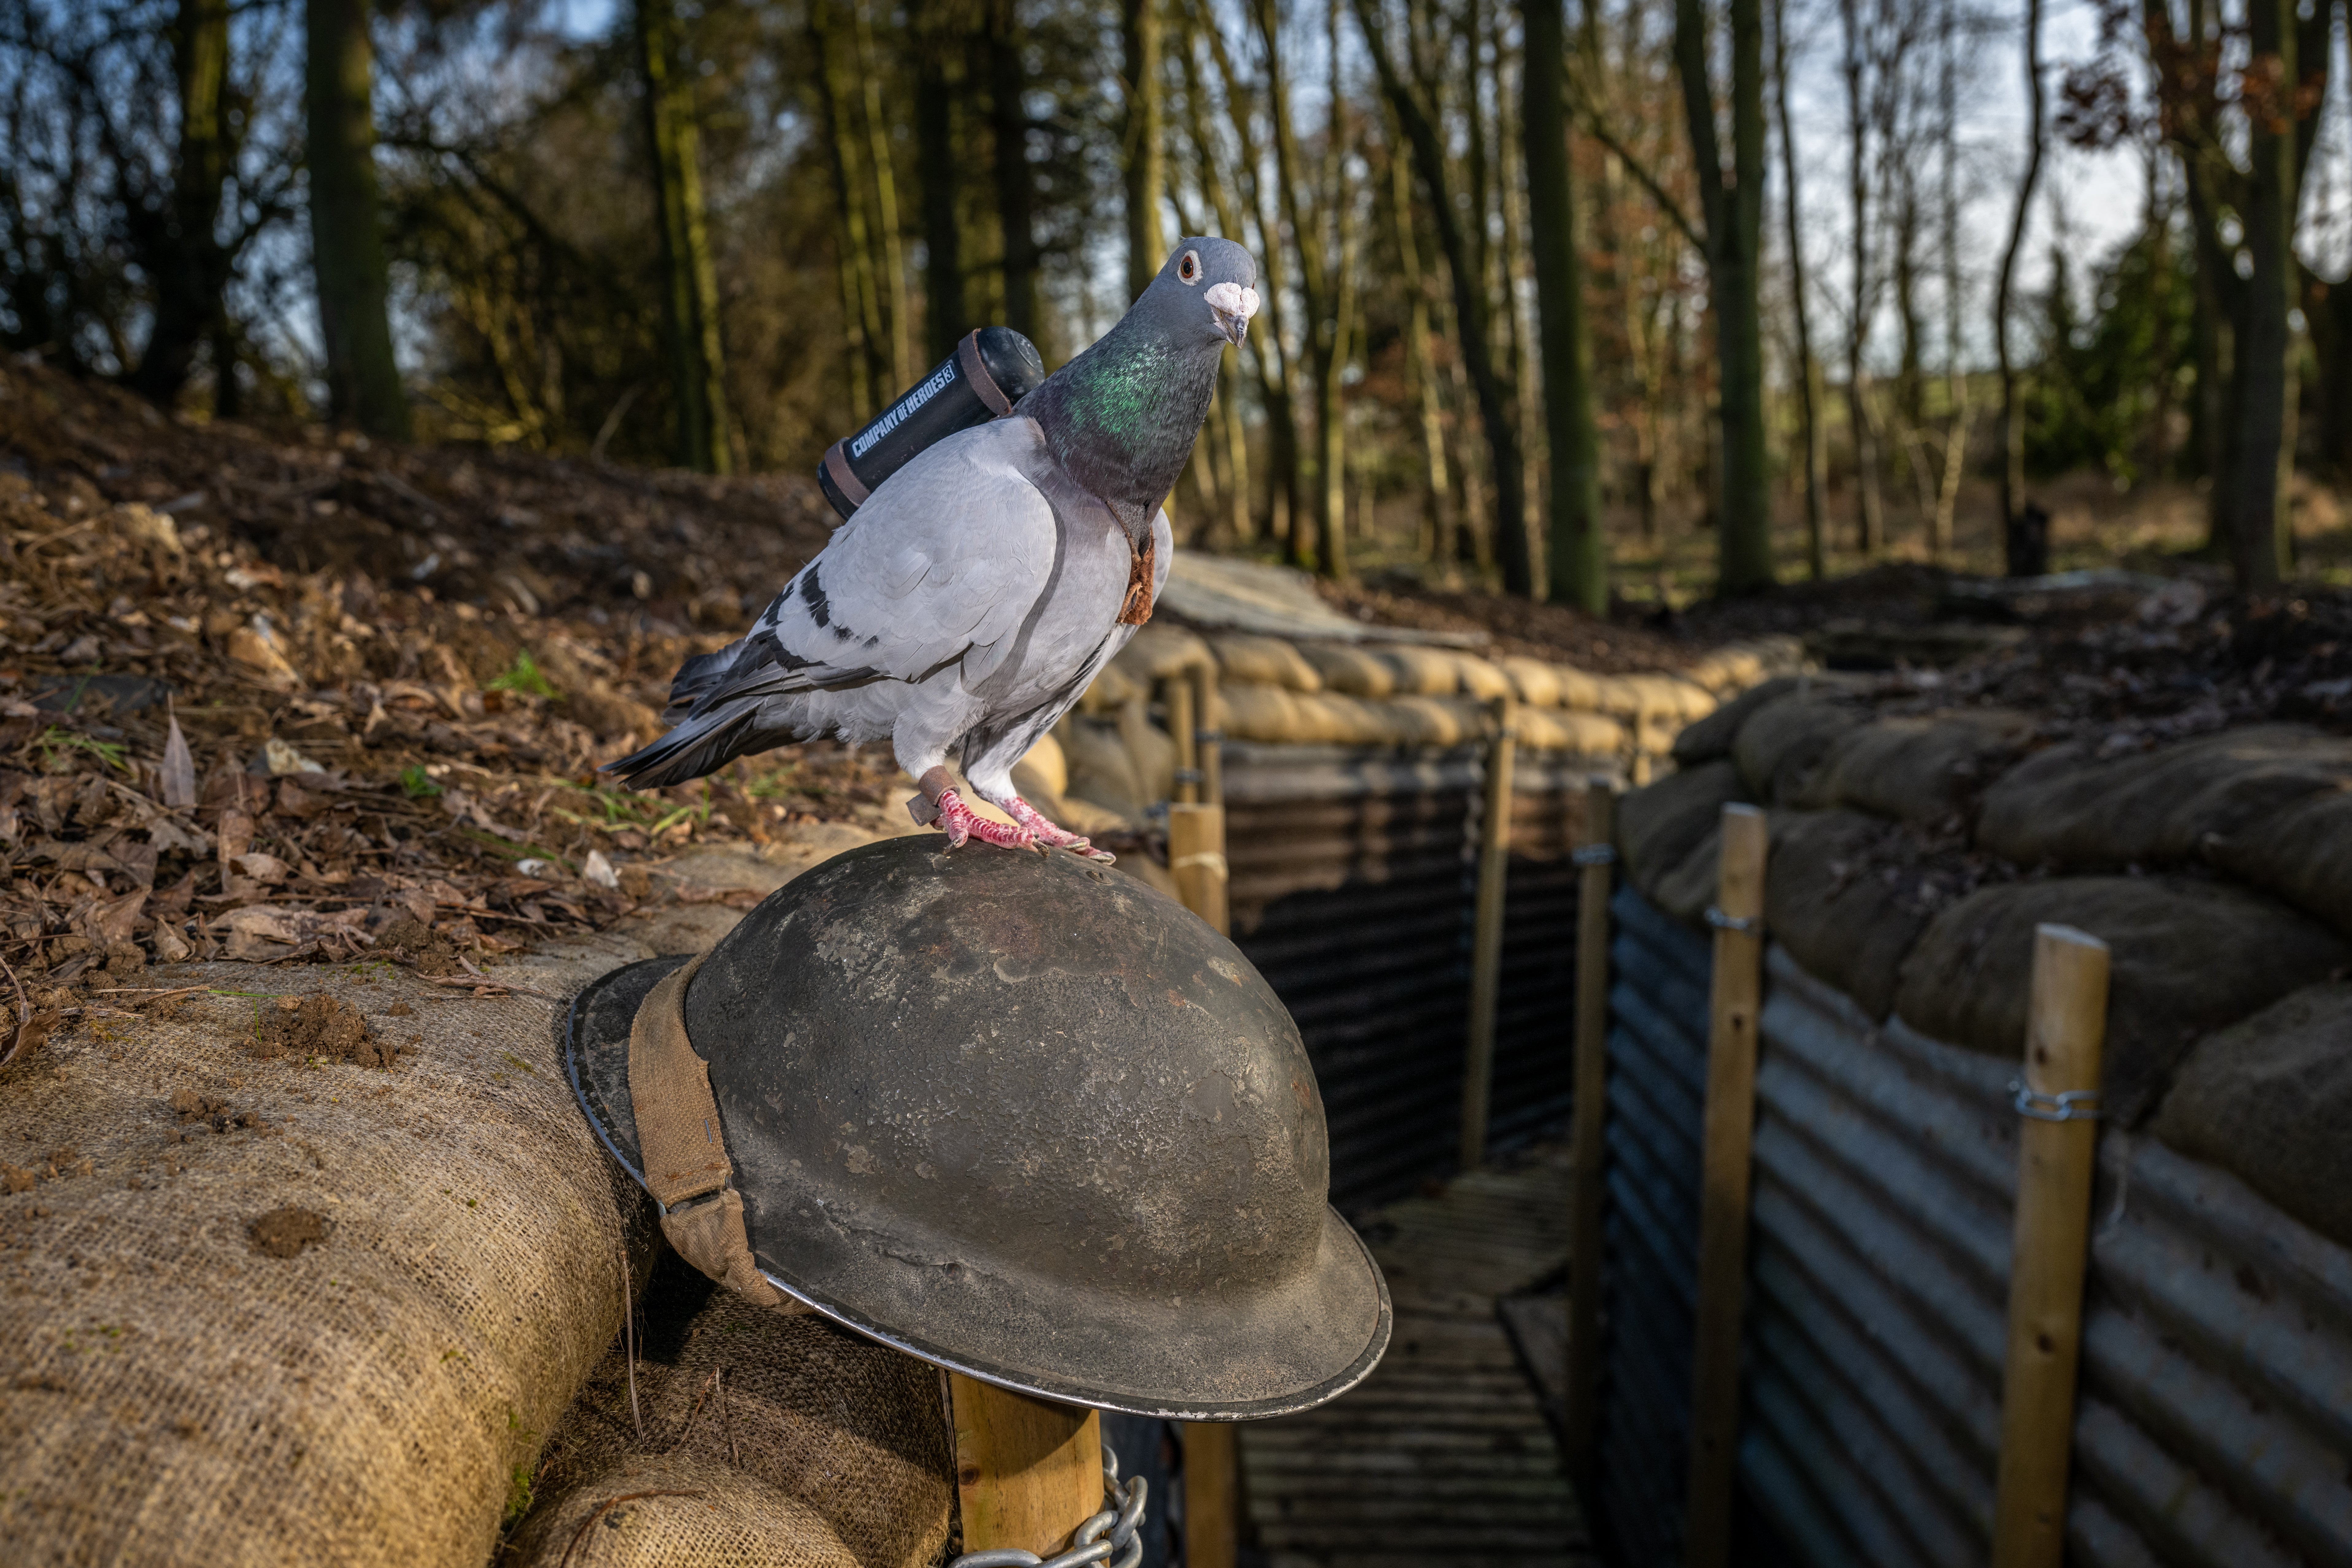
1562,299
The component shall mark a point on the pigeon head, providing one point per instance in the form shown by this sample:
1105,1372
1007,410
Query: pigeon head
1207,290
1123,415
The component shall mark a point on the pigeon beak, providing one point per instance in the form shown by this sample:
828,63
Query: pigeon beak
1232,306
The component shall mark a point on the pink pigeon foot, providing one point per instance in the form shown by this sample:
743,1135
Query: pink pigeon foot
963,822
1035,821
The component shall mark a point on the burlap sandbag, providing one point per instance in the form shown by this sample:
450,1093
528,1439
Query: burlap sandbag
283,1310
1782,742
2270,1100
1657,828
1244,660
1846,895
1100,769
1534,681
2303,853
1349,670
1708,738
678,1510
2065,808
1581,734
2189,958
1481,679
1421,671
1929,770
853,1429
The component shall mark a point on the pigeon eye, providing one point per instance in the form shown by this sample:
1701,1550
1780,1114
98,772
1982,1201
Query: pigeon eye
1188,269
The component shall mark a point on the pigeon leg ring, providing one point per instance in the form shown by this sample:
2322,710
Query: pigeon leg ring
1047,832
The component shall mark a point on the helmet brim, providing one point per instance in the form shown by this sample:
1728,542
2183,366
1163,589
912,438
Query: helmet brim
1271,1351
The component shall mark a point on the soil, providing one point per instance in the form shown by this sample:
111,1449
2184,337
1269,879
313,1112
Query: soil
286,1232
320,1025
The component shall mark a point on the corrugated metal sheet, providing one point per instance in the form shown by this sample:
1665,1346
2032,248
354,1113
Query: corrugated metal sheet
1353,873
2215,1416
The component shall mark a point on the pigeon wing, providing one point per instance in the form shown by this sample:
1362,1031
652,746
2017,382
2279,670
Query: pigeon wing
950,554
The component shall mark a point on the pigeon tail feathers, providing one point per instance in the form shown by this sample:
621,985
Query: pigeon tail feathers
695,748
697,676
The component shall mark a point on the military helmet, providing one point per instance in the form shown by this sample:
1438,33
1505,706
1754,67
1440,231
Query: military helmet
1022,1117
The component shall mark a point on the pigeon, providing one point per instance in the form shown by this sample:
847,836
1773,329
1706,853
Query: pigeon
970,601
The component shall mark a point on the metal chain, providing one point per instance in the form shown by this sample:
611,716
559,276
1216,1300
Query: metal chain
2074,1105
1113,1536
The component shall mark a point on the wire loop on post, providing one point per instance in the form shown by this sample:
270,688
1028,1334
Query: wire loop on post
2074,1105
1745,925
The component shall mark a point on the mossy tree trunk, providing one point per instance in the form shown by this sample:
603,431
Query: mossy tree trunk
347,252
690,278
1579,555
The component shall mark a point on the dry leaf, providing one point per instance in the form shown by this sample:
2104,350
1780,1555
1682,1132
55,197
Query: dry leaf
179,770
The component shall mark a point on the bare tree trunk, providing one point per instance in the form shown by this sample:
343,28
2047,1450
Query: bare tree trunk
1141,157
1733,201
870,368
2263,403
1226,412
193,267
944,316
346,228
690,282
1473,319
1339,280
1302,214
1285,485
1421,377
1956,431
892,262
2012,427
1807,368
1580,550
1016,187
1510,266
1870,522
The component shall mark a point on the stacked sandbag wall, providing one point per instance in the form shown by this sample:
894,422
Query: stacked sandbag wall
1912,856
1353,779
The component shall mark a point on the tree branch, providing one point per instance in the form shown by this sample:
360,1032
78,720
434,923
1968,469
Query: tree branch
1673,209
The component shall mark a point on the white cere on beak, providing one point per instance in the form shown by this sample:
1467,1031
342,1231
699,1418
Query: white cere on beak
1232,305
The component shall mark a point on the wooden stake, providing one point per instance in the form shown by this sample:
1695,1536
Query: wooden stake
1196,859
1585,1147
1729,1140
1487,937
1185,730
1028,1471
1209,733
1213,1495
2066,1032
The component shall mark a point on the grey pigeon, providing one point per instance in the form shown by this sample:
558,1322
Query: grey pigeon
979,590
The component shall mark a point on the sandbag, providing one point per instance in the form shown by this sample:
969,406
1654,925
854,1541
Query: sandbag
1263,661
850,1428
1160,650
1579,690
2302,853
2189,957
1846,894
1100,771
1927,770
1481,679
1111,690
284,1309
1534,681
1349,670
1419,671
1556,729
1657,828
1706,739
2065,808
2270,1100
1782,742
678,1510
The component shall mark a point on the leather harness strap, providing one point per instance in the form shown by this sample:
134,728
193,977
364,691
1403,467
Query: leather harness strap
684,1150
975,371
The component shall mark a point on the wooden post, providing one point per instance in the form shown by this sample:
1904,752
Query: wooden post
1585,1148
1196,859
1729,1136
2066,1030
1028,1471
1209,733
1213,1495
1185,730
1487,937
